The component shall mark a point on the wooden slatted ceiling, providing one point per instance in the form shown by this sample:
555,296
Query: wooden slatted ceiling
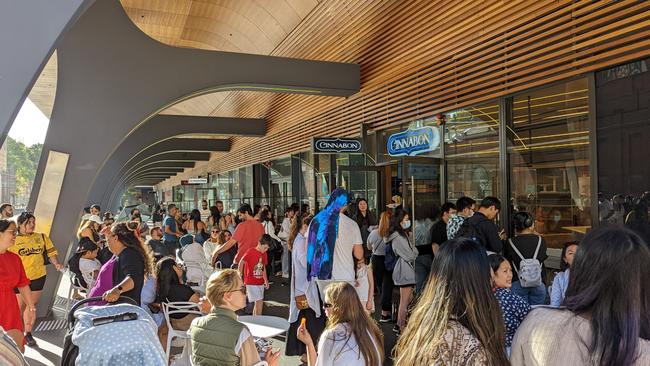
419,58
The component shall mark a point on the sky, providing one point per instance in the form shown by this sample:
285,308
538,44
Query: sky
30,125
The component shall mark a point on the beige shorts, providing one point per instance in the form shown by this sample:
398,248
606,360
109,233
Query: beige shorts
255,292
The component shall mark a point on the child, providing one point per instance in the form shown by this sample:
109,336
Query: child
561,280
88,264
252,268
365,286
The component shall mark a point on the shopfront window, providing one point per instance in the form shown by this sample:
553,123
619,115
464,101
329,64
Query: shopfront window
472,152
246,184
280,183
548,148
307,185
323,179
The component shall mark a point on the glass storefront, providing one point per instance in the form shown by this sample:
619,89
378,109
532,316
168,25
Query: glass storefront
472,152
545,134
548,151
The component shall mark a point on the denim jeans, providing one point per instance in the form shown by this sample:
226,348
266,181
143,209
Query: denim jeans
285,260
532,295
422,270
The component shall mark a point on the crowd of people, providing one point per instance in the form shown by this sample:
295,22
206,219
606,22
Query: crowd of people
458,290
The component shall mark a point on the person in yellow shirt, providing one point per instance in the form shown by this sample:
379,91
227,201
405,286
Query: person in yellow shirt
30,247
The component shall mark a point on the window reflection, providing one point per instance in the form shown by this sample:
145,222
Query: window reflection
548,146
472,152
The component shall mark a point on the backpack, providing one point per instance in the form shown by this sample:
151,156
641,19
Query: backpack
390,258
73,266
530,270
469,229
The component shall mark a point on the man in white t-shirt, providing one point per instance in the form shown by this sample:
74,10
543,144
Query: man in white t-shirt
205,211
348,246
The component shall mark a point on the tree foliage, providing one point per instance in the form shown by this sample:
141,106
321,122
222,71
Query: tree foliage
24,160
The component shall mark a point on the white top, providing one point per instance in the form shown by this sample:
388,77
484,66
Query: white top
349,235
362,285
270,229
285,229
204,214
299,283
208,249
198,267
335,349
87,268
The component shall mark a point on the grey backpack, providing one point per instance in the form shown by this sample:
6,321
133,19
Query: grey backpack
530,270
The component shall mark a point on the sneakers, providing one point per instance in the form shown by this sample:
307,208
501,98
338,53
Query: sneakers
385,319
29,339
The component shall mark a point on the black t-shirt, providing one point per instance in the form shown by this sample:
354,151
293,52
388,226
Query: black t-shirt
526,244
179,292
158,248
130,263
439,232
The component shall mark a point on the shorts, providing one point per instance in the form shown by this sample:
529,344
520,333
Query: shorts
35,285
255,292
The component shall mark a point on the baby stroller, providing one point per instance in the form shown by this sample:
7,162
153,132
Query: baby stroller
119,334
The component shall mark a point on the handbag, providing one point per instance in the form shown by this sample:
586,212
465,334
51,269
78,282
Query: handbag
46,259
301,302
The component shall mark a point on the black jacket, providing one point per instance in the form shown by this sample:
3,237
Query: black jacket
489,232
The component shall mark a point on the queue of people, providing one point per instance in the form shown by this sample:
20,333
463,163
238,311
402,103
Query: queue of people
468,294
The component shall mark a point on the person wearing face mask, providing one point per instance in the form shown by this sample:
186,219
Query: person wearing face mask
404,270
513,308
465,209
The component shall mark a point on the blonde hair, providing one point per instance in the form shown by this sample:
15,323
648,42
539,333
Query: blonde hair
347,308
86,224
219,284
384,224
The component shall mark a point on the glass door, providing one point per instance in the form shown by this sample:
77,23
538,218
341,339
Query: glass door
421,187
364,182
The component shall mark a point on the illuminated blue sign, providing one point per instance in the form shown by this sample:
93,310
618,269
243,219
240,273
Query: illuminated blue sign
414,141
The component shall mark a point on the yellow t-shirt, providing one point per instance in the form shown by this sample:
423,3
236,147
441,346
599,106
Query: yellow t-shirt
30,250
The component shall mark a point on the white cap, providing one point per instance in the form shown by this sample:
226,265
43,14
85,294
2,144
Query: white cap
96,219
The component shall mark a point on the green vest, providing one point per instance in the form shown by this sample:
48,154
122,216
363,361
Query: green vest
214,337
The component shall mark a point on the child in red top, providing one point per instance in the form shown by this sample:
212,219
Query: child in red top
252,268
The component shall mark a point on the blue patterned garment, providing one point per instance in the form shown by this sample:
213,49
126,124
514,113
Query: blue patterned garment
514,309
323,231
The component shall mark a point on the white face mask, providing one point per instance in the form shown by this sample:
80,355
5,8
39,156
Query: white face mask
406,224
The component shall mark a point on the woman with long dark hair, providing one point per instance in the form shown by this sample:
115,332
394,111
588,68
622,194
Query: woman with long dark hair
170,288
351,337
606,316
456,320
366,221
404,270
133,262
33,247
195,226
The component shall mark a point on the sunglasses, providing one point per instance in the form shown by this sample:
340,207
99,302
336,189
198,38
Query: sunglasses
241,289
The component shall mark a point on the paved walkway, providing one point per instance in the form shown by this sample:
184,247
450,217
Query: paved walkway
50,331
